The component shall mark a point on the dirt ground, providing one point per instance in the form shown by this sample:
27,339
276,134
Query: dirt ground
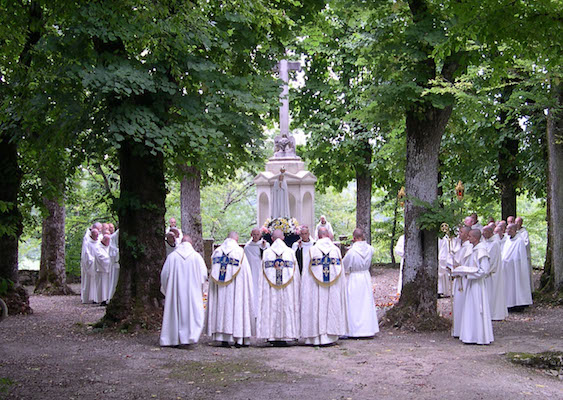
55,354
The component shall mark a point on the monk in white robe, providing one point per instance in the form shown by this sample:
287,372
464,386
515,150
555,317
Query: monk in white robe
181,282
444,281
253,250
302,247
173,227
278,297
114,259
499,232
102,265
170,243
517,287
461,257
476,326
476,224
323,294
230,309
323,223
362,314
523,234
87,268
400,252
494,282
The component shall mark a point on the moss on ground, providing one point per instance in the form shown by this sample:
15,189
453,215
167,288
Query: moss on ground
551,362
224,373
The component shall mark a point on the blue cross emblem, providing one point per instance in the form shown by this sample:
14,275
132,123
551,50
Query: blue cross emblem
278,264
224,260
325,261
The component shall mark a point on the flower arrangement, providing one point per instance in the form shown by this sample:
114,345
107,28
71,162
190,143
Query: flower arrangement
287,225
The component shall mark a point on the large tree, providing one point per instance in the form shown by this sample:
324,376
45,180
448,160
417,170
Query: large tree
166,80
22,24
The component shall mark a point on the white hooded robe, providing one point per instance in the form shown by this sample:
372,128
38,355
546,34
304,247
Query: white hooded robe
362,314
230,307
102,266
461,258
114,258
278,307
476,326
87,270
253,253
181,281
495,281
323,308
517,286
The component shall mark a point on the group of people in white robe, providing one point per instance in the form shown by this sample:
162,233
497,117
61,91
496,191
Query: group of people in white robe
490,267
99,263
273,293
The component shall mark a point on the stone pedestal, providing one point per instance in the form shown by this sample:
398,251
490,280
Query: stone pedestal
300,184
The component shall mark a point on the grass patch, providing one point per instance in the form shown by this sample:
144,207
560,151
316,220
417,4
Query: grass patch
550,362
224,373
5,384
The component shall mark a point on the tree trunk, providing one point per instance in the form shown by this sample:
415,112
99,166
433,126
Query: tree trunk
52,274
394,231
363,201
417,307
546,279
508,176
508,168
555,198
190,206
11,226
141,209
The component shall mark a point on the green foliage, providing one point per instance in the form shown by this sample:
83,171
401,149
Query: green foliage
438,213
5,384
226,206
5,286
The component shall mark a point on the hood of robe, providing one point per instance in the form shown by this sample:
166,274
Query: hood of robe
257,244
229,245
481,250
185,249
363,249
325,245
279,246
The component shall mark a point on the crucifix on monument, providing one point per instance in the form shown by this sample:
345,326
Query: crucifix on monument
284,143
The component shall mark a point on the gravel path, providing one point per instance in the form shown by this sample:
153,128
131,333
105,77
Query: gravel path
55,354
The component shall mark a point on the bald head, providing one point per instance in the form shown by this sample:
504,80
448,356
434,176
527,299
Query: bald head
106,239
499,231
233,235
488,232
187,238
322,232
170,238
94,234
519,222
468,221
474,236
278,234
464,233
358,234
510,220
511,230
97,225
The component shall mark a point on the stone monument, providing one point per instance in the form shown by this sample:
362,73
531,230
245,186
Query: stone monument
286,168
